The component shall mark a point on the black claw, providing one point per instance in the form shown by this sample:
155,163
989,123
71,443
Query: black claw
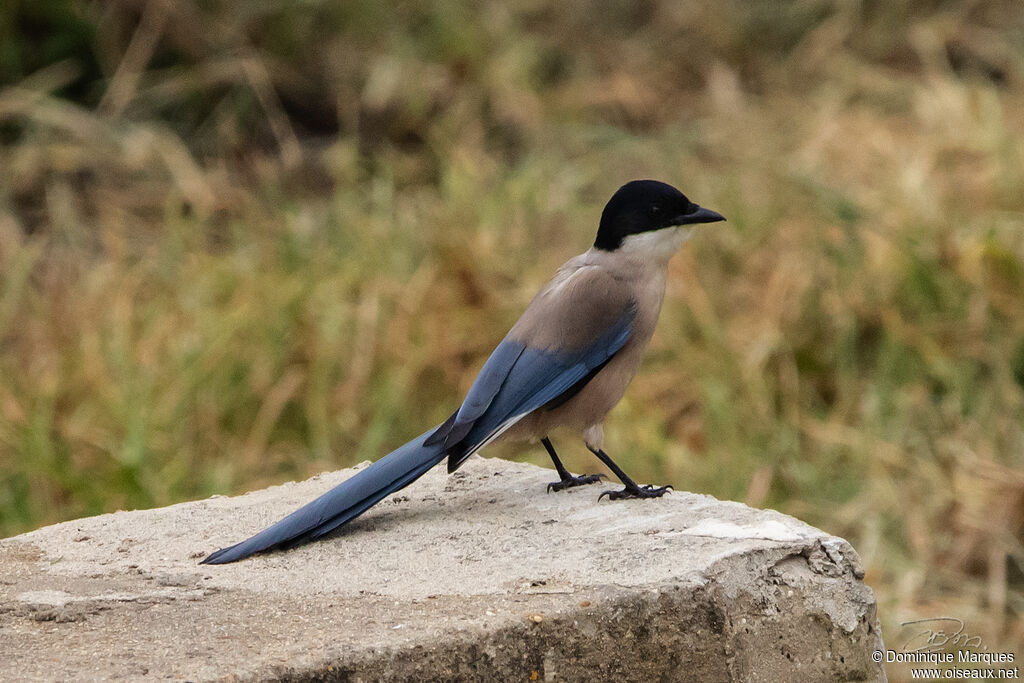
572,481
646,491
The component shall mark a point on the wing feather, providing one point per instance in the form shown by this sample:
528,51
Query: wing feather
571,329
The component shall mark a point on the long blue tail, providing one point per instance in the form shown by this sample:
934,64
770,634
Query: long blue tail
343,503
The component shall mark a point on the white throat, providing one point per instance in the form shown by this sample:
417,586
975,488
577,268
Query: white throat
657,244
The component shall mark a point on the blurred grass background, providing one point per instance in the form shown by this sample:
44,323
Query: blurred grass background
242,243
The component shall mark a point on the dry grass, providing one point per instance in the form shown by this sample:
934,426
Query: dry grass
243,261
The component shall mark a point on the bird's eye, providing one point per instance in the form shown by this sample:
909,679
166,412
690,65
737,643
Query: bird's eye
655,210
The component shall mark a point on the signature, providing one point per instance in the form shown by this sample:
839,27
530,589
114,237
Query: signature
938,633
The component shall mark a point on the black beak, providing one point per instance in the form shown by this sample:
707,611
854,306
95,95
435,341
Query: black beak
701,215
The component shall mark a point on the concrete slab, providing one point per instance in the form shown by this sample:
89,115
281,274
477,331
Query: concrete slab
477,576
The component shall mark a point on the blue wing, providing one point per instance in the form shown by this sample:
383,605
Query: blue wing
516,380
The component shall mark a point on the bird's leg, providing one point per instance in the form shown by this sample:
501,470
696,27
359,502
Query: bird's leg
631,490
567,481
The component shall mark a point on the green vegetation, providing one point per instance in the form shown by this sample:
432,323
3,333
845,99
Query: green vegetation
244,243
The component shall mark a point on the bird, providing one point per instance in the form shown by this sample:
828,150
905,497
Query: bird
564,364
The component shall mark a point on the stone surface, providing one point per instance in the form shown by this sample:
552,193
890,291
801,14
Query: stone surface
477,576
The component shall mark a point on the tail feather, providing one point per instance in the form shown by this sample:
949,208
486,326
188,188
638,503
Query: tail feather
343,503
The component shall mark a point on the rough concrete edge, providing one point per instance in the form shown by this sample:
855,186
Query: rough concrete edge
734,625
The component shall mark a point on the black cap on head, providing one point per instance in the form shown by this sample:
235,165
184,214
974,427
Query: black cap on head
643,206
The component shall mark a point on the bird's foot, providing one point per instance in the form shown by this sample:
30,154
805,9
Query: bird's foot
572,481
634,491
